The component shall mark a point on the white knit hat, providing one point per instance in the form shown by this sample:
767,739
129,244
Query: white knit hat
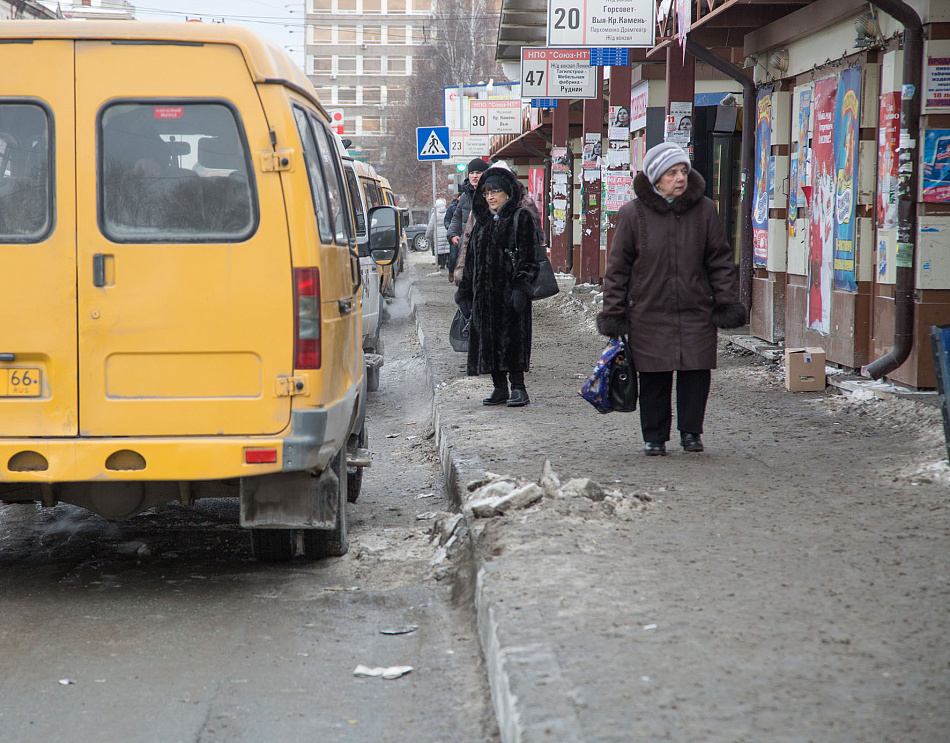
661,158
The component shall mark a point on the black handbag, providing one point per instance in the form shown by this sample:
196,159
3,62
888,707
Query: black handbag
622,386
458,332
545,284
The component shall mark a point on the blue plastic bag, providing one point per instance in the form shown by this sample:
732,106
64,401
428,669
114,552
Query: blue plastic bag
594,390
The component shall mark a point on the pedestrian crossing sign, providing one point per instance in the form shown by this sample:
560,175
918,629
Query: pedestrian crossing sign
432,142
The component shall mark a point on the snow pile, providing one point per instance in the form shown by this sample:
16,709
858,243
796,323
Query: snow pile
498,495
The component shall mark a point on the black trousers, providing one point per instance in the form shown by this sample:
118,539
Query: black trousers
500,381
656,414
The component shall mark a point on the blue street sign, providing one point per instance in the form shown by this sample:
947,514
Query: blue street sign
432,143
606,57
544,103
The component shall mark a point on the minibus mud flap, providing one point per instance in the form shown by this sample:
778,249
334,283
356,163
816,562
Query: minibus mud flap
291,500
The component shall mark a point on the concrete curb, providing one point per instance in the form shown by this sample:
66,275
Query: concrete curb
513,668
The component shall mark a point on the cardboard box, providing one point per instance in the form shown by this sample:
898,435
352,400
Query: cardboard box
805,369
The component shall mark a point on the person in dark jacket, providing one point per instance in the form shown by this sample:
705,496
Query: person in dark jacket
496,284
453,249
670,282
460,217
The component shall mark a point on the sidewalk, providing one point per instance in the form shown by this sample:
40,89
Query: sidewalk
787,585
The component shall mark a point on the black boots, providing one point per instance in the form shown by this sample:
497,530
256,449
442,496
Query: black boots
499,396
652,449
691,442
519,398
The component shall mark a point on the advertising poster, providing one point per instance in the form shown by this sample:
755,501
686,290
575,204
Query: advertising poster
639,98
822,228
793,194
616,191
937,77
935,174
887,139
679,123
536,190
560,182
804,149
846,170
760,202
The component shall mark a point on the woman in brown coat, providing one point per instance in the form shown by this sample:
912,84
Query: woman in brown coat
670,282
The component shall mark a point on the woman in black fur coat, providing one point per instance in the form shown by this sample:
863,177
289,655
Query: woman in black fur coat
496,285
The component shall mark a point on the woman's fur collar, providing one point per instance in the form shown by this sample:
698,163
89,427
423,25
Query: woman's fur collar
695,190
480,203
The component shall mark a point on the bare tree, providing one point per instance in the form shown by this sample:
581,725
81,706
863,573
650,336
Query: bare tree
459,49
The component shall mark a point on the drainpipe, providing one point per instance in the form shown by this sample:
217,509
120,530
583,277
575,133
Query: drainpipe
907,188
747,164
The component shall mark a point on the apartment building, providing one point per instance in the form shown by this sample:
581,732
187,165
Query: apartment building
359,56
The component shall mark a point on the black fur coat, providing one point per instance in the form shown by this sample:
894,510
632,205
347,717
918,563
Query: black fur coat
500,264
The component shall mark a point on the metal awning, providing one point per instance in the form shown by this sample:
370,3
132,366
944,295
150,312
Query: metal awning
522,23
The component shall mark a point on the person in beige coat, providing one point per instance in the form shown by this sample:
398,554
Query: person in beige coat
670,282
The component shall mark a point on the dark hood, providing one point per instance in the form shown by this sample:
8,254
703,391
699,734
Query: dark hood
695,190
480,204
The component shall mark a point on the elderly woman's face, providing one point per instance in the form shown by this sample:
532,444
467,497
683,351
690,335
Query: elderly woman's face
495,198
673,182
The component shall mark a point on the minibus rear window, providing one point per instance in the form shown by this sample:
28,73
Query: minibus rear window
26,203
174,172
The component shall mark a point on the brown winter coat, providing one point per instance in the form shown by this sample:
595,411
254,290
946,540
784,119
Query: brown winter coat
670,266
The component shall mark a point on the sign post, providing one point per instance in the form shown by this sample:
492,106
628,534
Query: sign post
610,23
432,143
557,73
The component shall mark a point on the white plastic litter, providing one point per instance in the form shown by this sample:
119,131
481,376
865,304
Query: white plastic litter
393,672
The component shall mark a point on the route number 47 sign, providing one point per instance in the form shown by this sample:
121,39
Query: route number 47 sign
607,23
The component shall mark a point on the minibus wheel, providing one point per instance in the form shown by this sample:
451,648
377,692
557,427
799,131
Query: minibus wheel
320,543
354,475
274,545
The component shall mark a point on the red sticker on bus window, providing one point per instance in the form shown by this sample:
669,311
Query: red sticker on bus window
169,112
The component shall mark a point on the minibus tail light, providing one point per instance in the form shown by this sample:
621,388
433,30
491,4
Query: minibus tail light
307,320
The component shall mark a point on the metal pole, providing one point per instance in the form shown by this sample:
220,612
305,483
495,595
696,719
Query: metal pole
433,183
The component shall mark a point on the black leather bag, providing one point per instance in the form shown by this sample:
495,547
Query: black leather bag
458,332
622,385
545,285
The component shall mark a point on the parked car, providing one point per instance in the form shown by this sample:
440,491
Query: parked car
415,232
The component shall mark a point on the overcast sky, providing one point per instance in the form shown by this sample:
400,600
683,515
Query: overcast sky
278,21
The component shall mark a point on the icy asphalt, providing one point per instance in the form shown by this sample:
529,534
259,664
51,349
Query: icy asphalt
763,594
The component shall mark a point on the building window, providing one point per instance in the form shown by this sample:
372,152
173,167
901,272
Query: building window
325,94
372,6
372,95
319,35
421,6
322,65
346,35
346,6
395,95
317,6
346,95
371,66
346,65
372,35
397,65
371,124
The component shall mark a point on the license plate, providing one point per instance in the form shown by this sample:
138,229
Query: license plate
20,382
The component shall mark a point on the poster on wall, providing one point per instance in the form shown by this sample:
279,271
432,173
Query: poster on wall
639,98
804,148
536,191
822,228
560,177
935,174
793,194
846,168
887,138
760,202
937,77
